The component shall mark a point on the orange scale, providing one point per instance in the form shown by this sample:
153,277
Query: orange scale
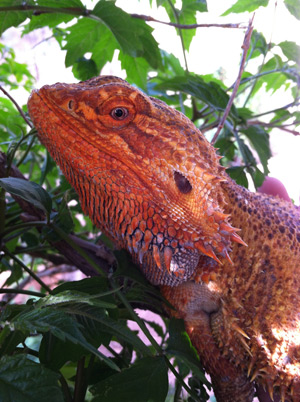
155,230
142,225
174,243
150,223
172,231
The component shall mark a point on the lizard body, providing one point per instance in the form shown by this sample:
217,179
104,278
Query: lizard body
152,182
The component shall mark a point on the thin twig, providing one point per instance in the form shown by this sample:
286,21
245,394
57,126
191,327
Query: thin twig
16,291
187,26
181,37
245,47
272,125
28,270
292,104
17,106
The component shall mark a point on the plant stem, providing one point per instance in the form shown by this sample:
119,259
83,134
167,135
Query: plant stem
65,389
22,291
22,226
156,346
28,270
180,33
245,47
80,382
27,149
80,251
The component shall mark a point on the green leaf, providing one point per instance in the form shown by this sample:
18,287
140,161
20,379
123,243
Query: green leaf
136,69
145,380
51,20
294,7
291,50
226,147
82,38
29,191
13,18
94,285
179,344
258,44
62,325
187,16
172,66
259,139
104,49
22,380
237,173
9,340
211,93
84,69
246,5
72,298
133,35
54,352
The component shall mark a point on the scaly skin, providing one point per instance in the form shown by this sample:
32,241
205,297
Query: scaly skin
150,180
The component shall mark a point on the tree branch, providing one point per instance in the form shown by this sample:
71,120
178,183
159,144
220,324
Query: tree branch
77,11
15,103
245,47
147,18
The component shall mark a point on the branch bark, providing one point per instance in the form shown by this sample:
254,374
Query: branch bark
245,47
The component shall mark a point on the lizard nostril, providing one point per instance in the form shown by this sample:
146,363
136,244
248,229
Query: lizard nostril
182,183
71,104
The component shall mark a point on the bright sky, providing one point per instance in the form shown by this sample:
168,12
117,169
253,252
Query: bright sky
211,49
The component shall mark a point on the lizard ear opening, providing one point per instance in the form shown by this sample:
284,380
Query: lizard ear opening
182,183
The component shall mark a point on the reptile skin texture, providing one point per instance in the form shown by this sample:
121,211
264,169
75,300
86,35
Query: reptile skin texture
225,258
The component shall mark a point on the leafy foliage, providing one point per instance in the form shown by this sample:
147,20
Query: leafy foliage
73,340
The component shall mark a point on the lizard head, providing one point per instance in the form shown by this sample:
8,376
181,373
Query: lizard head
144,173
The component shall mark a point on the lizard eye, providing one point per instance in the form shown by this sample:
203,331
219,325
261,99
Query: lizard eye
119,113
182,183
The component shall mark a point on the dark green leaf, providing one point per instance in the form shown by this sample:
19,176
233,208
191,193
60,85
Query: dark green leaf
210,93
238,174
133,35
179,344
226,147
29,191
54,352
246,5
294,7
22,380
73,298
9,340
259,139
60,324
146,380
95,285
13,18
62,3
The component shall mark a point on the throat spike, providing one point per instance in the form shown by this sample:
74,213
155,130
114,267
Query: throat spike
156,256
238,239
168,254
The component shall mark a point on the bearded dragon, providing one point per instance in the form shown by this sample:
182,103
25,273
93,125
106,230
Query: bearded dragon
225,258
